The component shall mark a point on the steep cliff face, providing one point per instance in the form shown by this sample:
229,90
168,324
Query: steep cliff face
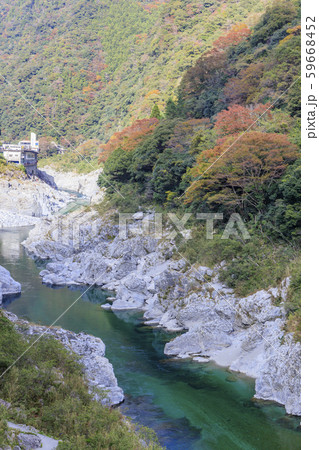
23,201
245,334
85,184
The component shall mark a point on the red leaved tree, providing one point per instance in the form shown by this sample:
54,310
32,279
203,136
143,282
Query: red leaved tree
244,88
129,138
238,118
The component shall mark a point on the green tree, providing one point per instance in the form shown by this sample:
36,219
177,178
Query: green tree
116,168
156,113
168,172
276,16
283,217
144,157
171,109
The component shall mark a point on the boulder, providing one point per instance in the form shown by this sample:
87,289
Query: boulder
30,438
8,286
138,216
29,441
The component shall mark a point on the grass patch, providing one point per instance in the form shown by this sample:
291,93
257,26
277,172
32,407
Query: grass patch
11,170
293,304
47,390
251,265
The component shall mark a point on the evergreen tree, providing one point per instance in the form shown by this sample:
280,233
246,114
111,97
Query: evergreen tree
171,109
156,113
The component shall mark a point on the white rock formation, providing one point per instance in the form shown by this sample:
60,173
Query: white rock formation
85,184
29,438
245,334
12,220
97,368
8,286
23,201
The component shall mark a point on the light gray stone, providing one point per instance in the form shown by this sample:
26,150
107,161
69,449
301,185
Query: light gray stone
24,201
85,184
138,216
106,306
5,404
29,441
30,438
8,286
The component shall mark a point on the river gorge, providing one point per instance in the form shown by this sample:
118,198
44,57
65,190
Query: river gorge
150,229
188,404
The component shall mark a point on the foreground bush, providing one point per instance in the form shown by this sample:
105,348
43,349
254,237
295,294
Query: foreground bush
47,390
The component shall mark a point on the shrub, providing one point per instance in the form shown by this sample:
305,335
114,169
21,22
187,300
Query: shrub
47,390
250,265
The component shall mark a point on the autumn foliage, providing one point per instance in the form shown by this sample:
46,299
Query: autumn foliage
238,118
210,71
128,138
235,174
244,87
213,60
183,133
236,34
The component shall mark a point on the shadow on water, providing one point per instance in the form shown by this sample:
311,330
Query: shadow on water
189,405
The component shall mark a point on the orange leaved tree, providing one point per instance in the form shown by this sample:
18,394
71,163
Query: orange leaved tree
237,175
129,138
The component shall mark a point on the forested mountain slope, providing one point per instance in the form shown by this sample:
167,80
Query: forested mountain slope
92,66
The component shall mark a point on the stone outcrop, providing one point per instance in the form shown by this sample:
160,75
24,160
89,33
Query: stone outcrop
97,368
23,201
10,219
8,286
85,184
245,334
48,179
29,438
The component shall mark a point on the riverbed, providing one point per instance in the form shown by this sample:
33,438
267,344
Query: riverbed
188,404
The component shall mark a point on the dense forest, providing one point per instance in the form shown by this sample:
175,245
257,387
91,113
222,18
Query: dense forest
188,105
93,66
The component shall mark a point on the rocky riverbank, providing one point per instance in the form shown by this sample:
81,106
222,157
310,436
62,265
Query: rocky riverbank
85,184
28,438
245,334
23,201
97,368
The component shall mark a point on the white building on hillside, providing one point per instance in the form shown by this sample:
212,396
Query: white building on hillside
25,153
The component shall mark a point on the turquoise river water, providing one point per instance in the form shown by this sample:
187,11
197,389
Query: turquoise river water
189,405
